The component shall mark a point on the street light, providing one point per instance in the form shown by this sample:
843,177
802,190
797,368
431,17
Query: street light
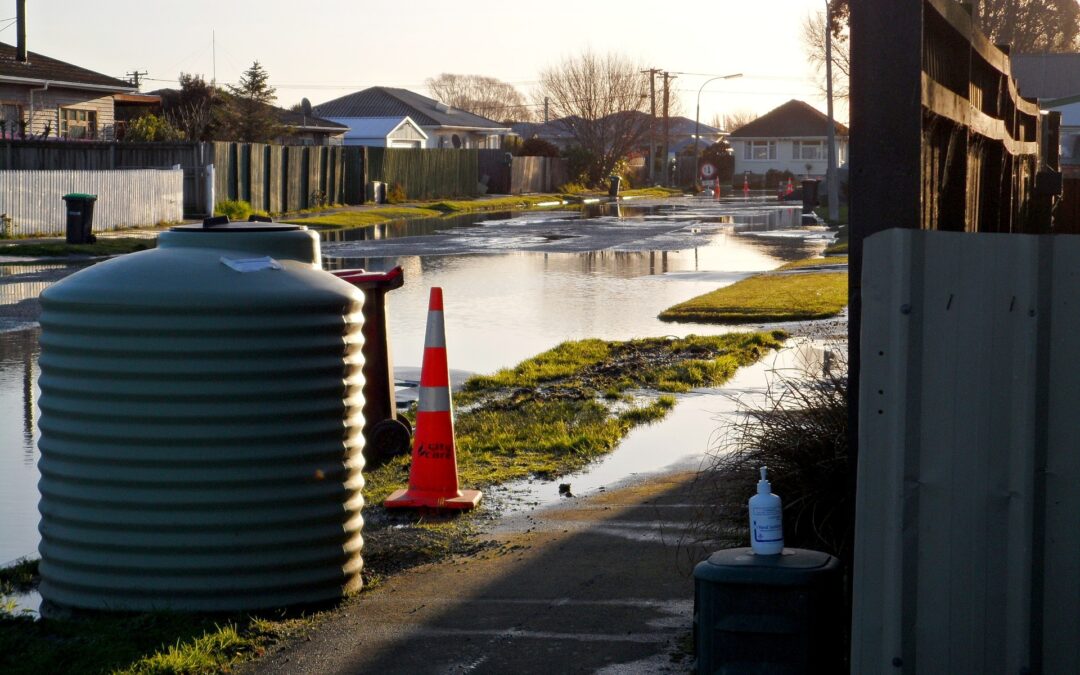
830,171
697,121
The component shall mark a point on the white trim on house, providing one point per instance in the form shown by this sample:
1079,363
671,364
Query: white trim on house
64,85
786,154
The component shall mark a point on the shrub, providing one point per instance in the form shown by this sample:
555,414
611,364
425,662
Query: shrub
235,209
538,147
151,128
799,430
395,194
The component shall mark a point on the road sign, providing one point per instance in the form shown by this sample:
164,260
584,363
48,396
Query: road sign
708,170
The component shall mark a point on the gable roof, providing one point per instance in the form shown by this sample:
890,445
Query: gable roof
380,127
793,119
39,69
293,118
392,102
1046,75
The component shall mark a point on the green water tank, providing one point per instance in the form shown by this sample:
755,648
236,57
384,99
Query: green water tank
201,426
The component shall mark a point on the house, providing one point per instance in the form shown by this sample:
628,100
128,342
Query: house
1054,79
54,98
443,126
386,132
791,138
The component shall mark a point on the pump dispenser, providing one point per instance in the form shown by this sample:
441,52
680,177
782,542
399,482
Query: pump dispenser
766,519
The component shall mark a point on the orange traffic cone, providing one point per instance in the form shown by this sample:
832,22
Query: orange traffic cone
790,187
433,477
745,186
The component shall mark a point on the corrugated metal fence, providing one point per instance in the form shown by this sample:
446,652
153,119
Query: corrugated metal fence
33,199
967,556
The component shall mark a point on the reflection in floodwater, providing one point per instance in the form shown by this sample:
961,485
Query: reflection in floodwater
503,304
18,444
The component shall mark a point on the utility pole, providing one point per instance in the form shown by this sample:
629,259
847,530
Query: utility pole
667,128
652,124
831,182
546,116
134,76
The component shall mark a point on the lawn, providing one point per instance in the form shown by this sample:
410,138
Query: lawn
814,262
767,297
59,249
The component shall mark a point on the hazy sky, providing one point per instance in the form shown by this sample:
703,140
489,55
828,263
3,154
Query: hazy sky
326,49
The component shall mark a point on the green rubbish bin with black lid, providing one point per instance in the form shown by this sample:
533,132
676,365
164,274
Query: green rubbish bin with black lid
79,207
775,614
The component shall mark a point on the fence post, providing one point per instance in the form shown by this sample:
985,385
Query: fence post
210,203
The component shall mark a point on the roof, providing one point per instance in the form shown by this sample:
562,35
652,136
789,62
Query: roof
39,69
392,102
793,119
1044,76
295,118
379,127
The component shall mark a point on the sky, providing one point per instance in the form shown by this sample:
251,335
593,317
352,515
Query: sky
325,49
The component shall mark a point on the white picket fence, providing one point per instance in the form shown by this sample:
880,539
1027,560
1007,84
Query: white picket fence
33,200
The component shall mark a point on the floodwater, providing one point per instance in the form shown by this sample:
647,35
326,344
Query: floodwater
514,285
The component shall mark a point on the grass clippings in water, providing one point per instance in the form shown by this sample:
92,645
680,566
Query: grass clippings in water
767,297
367,217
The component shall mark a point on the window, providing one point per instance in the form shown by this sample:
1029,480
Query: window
78,123
759,150
10,117
808,150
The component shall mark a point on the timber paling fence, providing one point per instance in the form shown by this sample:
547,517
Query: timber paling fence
427,173
279,178
964,381
33,200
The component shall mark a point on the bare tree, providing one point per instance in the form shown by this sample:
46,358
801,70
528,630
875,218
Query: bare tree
1027,25
480,95
815,29
599,99
192,108
735,120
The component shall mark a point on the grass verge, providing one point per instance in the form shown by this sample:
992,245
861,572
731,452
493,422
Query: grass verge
58,249
814,262
369,217
767,297
547,416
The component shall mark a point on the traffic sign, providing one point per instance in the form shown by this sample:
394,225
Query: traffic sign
708,170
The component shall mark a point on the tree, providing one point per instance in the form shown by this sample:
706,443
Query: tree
480,95
600,100
735,120
1027,25
1031,25
191,109
815,29
249,115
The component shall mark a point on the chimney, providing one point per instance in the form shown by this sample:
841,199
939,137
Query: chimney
20,14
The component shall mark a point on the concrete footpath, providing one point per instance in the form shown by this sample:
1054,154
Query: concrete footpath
598,585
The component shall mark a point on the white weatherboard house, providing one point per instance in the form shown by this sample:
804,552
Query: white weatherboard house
385,132
789,138
443,126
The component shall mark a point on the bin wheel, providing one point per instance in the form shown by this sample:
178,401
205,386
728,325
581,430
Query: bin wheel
389,438
405,420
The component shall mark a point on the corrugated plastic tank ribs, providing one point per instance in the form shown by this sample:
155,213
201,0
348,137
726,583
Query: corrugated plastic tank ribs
201,427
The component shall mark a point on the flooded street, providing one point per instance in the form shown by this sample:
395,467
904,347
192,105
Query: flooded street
514,285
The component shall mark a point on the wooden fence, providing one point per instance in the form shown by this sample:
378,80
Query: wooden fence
961,384
428,173
193,158
505,174
128,198
279,178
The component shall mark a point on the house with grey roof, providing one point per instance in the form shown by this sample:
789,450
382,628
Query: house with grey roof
441,126
44,94
792,137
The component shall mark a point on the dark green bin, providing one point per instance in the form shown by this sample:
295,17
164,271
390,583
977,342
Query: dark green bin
79,207
775,614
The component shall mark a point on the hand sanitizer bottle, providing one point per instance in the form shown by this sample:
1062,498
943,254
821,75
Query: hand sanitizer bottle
766,520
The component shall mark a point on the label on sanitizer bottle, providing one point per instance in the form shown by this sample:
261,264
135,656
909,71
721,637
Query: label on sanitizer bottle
767,523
